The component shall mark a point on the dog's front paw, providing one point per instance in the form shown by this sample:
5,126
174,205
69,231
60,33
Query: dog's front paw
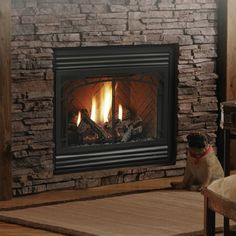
177,185
196,188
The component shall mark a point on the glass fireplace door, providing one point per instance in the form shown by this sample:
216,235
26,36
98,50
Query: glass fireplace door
115,106
109,110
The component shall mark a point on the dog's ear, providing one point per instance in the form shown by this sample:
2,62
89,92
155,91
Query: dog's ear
206,138
189,137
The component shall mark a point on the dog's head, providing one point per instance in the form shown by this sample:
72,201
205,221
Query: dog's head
197,140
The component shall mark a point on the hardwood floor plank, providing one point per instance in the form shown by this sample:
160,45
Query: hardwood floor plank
17,230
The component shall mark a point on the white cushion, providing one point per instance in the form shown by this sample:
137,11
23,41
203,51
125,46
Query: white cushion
225,187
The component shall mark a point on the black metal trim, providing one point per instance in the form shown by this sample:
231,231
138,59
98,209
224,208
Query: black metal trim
221,70
90,161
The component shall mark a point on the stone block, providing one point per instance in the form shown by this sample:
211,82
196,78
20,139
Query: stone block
210,6
18,4
185,55
112,15
154,38
173,25
173,31
57,8
81,183
136,25
93,8
205,107
187,6
31,4
41,145
152,175
206,67
201,31
157,14
207,53
130,178
135,38
47,126
134,15
20,154
117,27
209,76
48,29
176,172
212,16
68,37
152,21
18,126
119,8
200,39
185,15
197,24
114,21
185,107
23,29
60,185
91,183
166,5
39,188
148,8
109,180
41,19
33,89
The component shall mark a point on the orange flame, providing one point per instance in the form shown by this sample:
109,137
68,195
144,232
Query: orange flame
100,110
120,112
78,118
107,102
93,109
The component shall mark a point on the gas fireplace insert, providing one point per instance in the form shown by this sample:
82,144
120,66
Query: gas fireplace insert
114,106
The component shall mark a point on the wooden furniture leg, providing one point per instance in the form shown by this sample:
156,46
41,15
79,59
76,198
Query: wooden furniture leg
209,219
226,227
226,152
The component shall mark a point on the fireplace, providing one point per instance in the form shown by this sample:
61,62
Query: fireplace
115,106
57,41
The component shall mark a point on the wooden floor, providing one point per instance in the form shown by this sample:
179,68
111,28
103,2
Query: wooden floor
156,213
17,230
73,195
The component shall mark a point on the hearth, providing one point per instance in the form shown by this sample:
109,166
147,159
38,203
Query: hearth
115,106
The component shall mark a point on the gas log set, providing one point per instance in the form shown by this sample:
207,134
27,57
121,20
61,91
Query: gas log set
86,128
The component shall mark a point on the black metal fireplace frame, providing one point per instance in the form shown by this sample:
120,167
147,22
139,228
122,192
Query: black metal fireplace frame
71,63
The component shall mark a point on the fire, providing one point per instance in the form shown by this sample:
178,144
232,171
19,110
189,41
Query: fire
120,112
78,118
106,102
93,109
100,110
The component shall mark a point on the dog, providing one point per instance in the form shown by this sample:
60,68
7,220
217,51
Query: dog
202,167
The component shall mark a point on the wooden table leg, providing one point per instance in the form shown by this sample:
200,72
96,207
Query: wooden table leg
209,219
226,227
227,152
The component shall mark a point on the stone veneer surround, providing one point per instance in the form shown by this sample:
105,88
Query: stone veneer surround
38,26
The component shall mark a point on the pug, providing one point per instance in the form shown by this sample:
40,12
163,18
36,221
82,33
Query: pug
202,167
